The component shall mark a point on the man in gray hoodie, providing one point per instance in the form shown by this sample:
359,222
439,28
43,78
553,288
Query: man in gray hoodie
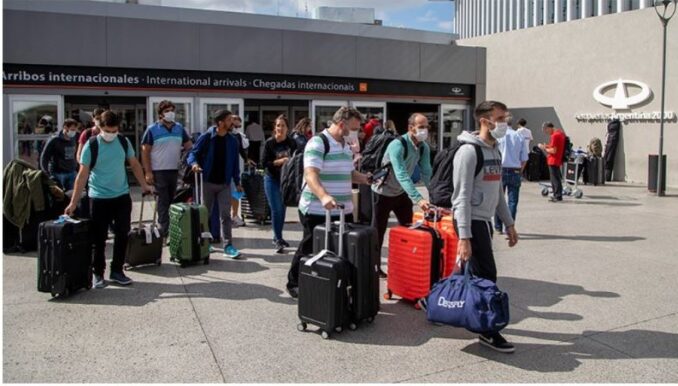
476,198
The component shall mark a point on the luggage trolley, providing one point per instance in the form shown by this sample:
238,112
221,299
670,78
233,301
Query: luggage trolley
573,171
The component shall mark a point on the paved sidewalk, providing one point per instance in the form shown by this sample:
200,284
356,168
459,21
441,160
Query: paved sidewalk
592,284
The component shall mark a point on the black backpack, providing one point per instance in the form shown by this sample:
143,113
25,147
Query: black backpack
568,149
374,151
94,149
441,186
292,175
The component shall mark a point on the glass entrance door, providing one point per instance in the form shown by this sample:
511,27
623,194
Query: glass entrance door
33,119
454,119
322,112
372,110
209,106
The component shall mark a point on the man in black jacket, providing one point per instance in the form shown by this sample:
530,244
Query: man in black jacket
58,156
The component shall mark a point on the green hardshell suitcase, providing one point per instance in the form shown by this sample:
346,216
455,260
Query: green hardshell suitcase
189,232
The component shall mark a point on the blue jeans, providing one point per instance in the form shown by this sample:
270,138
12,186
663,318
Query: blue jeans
510,181
274,197
66,180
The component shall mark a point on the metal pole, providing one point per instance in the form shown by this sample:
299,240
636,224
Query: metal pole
660,170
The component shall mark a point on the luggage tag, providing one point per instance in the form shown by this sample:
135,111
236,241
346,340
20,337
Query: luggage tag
316,257
148,233
65,218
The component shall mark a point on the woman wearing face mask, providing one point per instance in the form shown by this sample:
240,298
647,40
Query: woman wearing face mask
277,151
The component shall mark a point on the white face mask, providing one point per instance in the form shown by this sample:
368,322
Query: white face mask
169,116
421,135
108,137
500,130
71,134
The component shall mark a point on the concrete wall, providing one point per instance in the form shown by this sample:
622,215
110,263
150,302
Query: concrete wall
550,73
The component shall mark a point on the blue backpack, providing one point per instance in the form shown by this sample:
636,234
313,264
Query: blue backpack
469,302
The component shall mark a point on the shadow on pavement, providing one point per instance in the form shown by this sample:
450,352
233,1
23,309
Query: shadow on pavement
602,203
142,293
220,264
539,236
527,293
567,356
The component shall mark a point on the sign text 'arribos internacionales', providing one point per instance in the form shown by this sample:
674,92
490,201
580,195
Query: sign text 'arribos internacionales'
24,75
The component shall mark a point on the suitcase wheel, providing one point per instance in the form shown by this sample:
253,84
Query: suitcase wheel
301,327
158,262
578,194
370,319
325,335
388,295
352,326
339,329
183,264
416,305
545,192
207,260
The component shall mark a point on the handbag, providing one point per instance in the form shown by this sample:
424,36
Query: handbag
470,302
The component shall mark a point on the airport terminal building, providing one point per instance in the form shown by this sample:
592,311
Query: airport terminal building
62,59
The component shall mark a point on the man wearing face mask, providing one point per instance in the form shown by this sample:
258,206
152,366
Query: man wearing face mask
58,156
215,154
328,174
397,192
476,198
89,132
161,147
102,162
514,154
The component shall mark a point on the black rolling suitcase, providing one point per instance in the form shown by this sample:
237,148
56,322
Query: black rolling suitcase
360,247
144,244
254,204
595,173
64,257
324,291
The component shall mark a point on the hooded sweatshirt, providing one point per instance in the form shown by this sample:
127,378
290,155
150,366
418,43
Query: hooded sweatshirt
477,197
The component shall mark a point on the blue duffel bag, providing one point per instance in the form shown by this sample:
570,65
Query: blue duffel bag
469,302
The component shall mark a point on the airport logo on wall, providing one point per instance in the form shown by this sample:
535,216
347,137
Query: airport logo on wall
621,100
627,93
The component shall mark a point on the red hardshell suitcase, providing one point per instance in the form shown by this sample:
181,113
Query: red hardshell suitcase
445,226
414,262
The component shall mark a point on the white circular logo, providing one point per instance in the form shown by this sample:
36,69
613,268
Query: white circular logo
620,100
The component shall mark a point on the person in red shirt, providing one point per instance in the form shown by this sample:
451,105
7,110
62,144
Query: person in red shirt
554,158
369,128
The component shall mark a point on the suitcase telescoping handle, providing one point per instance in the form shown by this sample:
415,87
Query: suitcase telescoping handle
342,226
155,209
199,188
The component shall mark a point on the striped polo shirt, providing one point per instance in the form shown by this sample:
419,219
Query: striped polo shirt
167,145
335,175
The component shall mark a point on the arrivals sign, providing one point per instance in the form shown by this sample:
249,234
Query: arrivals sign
622,101
23,75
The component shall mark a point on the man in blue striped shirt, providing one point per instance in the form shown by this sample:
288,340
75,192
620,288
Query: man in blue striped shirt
514,155
161,148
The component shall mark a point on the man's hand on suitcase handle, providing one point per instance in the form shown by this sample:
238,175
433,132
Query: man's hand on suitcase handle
196,168
329,202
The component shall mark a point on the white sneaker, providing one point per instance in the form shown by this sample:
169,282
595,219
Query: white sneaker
237,221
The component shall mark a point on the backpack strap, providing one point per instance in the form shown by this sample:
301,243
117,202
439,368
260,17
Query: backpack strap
94,149
326,142
480,159
404,142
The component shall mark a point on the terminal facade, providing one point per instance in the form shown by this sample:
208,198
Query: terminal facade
129,57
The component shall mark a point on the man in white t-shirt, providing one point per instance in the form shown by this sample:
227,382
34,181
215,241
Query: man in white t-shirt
525,132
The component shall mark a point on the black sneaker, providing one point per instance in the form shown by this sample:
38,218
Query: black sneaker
279,247
382,274
293,291
285,243
553,199
120,278
496,342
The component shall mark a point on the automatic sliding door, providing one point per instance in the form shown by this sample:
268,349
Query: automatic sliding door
322,113
209,107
